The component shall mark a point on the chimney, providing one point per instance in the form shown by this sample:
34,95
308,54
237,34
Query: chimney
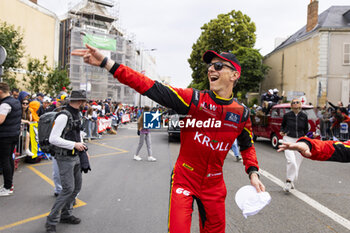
34,1
312,15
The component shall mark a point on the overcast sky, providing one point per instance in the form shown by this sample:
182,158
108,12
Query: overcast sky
173,26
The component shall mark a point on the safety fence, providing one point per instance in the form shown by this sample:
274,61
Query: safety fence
29,140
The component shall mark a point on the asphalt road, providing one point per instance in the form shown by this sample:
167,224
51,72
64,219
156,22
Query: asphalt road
126,196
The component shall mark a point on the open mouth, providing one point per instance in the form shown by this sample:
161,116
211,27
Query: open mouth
213,78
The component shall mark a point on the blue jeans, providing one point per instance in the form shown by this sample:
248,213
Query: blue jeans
234,148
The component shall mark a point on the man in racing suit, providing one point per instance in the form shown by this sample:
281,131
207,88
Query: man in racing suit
213,120
315,149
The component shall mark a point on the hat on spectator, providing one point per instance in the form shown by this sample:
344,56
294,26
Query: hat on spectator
78,95
47,99
275,90
271,91
40,94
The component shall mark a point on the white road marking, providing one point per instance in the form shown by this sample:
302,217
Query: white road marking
308,200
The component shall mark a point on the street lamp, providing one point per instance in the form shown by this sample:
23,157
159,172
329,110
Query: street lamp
143,71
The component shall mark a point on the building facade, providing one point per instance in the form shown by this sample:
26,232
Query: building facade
315,60
40,28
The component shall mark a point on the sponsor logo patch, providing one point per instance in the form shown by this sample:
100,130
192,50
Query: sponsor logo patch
233,117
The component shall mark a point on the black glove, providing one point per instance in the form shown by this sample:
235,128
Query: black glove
138,132
84,162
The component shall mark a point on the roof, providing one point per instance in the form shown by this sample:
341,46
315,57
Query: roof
335,17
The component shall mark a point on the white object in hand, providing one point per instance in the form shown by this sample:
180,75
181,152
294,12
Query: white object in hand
250,201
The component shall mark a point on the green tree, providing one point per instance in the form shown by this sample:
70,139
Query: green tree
56,80
36,75
12,40
233,32
253,70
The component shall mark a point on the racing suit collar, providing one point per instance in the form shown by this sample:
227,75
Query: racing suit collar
219,100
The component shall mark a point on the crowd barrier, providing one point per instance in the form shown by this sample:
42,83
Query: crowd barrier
96,128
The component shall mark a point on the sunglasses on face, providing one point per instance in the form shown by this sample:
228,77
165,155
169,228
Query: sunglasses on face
219,65
25,103
296,102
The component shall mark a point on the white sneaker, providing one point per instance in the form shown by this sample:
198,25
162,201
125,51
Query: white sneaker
5,192
11,189
28,152
137,158
151,159
287,187
238,158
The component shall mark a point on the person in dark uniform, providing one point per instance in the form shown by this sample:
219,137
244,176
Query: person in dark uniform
10,124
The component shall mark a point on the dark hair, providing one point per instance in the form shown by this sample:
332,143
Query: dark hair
26,113
14,90
4,87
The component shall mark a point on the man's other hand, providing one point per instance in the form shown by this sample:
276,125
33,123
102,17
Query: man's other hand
302,147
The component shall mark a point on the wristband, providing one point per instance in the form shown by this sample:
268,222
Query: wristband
252,172
104,62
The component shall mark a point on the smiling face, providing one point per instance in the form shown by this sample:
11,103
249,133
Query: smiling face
222,81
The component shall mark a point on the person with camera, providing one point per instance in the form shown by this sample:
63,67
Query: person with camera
65,136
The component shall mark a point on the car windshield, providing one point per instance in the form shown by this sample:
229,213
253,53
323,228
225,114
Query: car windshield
308,111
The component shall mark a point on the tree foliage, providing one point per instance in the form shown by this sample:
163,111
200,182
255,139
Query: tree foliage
56,80
12,40
233,32
36,75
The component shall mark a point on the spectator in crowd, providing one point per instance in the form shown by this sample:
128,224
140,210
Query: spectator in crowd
23,95
26,119
10,124
45,107
145,135
339,105
34,107
340,117
15,93
294,125
235,151
39,97
68,162
275,97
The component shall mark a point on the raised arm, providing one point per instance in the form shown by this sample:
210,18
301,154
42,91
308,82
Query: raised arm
176,98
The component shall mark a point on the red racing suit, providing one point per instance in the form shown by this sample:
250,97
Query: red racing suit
211,124
328,150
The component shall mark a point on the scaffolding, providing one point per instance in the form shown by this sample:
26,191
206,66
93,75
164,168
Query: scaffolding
92,17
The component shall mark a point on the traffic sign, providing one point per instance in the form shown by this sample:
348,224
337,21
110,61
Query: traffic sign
3,54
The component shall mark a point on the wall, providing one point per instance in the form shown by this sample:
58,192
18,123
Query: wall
39,26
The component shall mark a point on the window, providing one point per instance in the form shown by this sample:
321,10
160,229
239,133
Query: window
346,60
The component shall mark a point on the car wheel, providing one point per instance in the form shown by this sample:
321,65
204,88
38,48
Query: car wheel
274,141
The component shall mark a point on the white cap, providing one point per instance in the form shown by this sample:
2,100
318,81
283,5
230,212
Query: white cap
250,201
47,99
275,90
271,91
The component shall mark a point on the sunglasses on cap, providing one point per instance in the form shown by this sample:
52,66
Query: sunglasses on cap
219,65
296,102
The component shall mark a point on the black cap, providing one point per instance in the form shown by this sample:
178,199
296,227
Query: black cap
40,94
78,95
230,57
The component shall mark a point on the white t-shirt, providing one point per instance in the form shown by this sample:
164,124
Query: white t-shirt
5,109
55,136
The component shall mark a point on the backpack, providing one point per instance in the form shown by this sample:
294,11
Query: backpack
45,126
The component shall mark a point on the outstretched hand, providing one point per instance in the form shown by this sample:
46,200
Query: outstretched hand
302,147
90,55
